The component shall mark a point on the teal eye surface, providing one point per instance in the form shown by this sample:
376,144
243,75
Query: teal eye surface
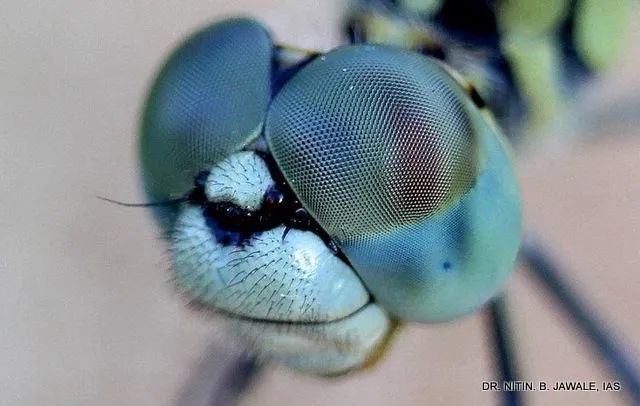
391,157
208,101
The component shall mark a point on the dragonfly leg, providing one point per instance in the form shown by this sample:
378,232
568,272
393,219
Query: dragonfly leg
503,347
547,272
221,379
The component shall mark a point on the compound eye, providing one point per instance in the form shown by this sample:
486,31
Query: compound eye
373,138
208,101
389,155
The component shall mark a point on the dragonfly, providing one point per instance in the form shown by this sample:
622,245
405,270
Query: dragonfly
236,149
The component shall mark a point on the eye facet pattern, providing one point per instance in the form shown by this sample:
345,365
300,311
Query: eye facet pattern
398,165
201,109
372,138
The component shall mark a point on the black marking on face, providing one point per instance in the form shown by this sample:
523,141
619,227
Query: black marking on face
235,225
273,199
225,236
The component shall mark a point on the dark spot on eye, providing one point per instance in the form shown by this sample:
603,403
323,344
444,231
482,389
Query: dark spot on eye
446,265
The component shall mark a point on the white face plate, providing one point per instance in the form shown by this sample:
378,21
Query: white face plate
287,294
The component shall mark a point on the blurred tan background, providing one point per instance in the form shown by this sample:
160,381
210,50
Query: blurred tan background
86,313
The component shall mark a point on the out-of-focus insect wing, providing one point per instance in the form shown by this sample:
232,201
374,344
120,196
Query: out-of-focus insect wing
200,108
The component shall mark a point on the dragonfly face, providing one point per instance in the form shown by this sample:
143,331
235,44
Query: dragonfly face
365,189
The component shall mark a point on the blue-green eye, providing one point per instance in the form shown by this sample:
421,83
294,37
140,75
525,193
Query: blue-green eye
208,100
402,170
